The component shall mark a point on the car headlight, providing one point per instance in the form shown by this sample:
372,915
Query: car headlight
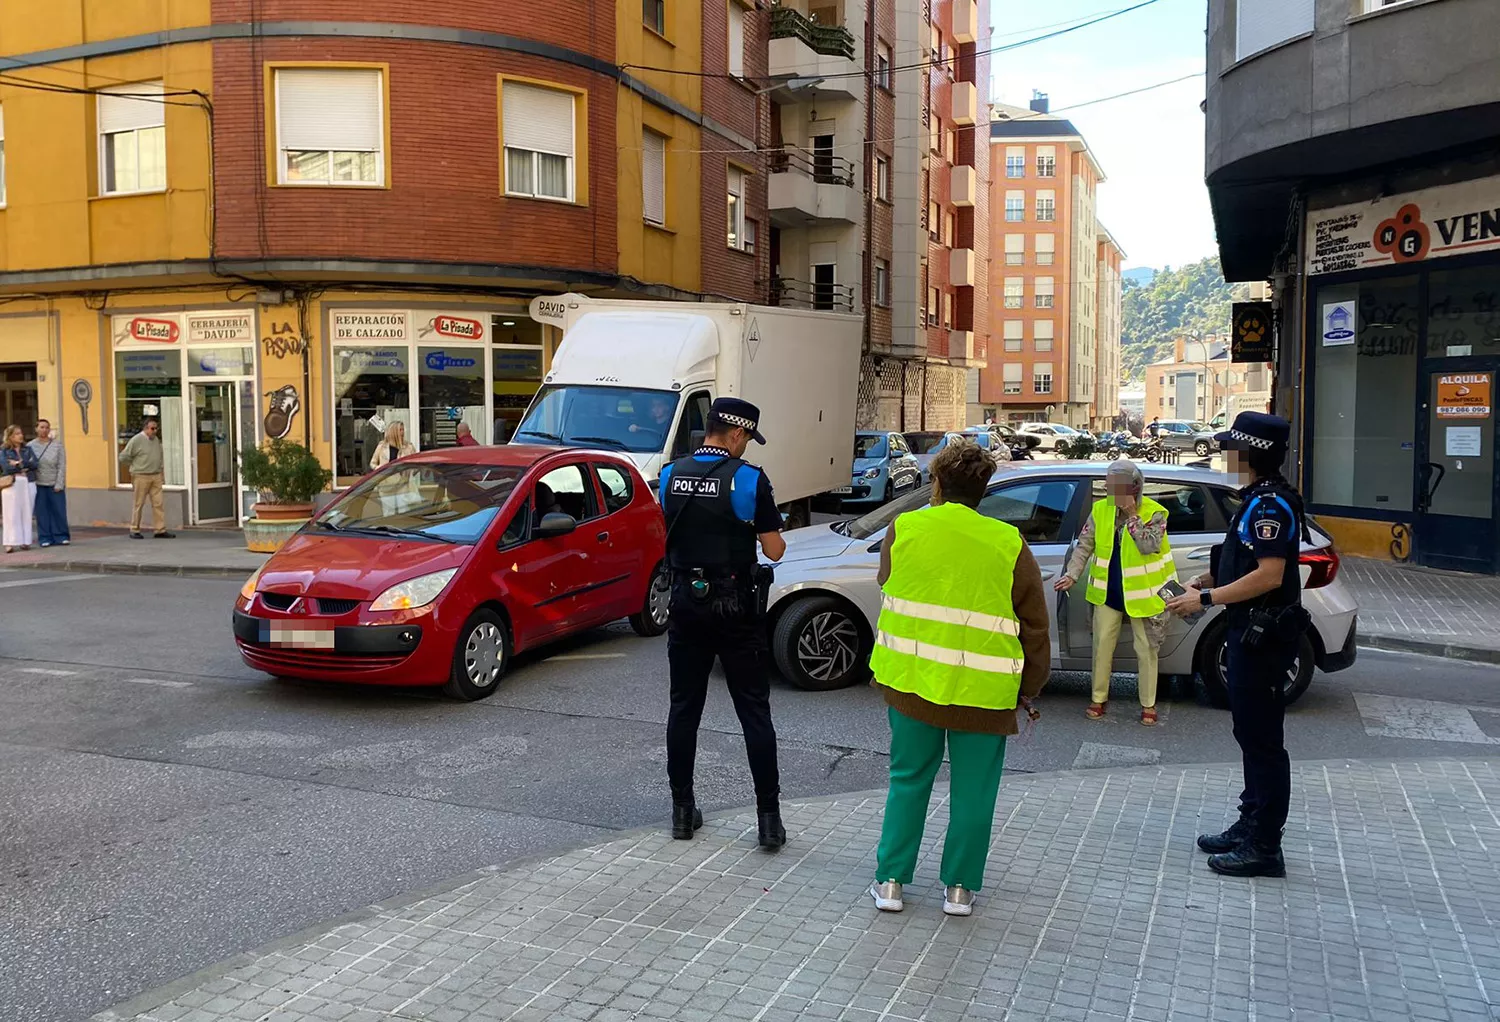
414,593
248,589
872,473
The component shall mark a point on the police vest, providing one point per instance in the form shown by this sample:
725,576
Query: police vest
948,632
1142,575
706,533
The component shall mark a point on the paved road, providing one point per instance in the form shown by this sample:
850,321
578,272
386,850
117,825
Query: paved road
167,807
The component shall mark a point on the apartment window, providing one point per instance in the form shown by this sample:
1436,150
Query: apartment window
654,178
132,139
1046,161
934,219
1015,161
1044,292
1371,6
951,221
1014,290
1046,206
736,39
540,126
947,310
950,145
882,282
883,178
2,156
750,233
1046,249
1013,334
1262,24
935,143
1015,206
737,233
1015,249
1041,378
883,66
1041,334
654,12
1012,378
934,303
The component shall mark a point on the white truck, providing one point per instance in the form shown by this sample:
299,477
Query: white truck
638,377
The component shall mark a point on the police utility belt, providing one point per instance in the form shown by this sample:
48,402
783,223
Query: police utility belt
727,594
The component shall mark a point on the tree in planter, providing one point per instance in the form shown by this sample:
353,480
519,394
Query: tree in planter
284,472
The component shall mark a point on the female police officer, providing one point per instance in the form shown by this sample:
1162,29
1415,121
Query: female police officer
1256,577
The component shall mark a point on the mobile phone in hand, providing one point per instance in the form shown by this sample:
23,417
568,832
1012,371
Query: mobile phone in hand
1173,589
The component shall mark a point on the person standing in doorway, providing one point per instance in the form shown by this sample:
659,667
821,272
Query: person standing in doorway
17,472
464,436
144,459
51,486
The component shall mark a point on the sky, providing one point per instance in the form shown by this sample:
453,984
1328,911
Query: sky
1150,145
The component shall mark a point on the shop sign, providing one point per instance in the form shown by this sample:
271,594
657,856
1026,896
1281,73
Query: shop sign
354,361
1463,396
146,329
553,309
1340,324
1251,339
148,364
441,362
220,362
1449,220
370,326
517,364
452,327
214,328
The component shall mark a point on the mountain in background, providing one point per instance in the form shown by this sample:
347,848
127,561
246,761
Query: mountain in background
1189,299
1140,275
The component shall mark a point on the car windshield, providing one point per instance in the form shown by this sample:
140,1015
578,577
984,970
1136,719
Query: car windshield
869,446
617,418
866,526
1200,427
923,443
982,439
1065,430
442,502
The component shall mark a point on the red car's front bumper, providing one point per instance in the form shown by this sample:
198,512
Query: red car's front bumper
368,648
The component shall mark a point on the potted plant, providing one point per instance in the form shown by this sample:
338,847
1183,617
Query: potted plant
289,478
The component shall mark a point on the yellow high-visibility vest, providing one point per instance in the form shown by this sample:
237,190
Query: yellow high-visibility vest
1143,575
948,632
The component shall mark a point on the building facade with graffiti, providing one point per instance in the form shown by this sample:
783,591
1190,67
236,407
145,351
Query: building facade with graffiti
267,220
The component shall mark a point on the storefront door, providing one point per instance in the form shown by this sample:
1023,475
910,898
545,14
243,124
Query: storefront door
214,453
1455,484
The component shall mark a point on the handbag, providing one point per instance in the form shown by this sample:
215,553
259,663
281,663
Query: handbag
6,481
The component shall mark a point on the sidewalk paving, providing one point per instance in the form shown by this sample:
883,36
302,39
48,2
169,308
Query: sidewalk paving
1098,909
213,553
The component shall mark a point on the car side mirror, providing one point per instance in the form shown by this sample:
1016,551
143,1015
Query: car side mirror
554,525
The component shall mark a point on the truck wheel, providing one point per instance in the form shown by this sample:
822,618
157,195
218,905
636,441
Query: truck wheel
819,645
651,620
798,515
1212,662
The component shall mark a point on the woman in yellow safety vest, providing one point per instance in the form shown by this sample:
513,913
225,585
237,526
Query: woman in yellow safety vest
1124,546
962,639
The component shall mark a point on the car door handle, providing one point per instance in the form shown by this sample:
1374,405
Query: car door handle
603,537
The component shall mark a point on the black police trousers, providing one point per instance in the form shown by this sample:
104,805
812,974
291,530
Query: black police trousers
695,638
1256,703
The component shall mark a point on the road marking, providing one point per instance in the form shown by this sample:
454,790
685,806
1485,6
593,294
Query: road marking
163,682
587,656
1419,719
45,581
50,672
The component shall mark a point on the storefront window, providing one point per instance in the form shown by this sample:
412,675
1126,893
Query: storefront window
517,362
1364,424
148,385
1463,313
450,390
371,389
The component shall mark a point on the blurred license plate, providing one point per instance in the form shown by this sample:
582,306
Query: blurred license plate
295,635
843,489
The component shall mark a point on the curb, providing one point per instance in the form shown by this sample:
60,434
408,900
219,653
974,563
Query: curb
1448,651
116,568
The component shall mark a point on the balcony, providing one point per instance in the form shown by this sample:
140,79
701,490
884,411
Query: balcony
961,267
811,188
789,293
819,59
965,21
965,103
961,350
963,186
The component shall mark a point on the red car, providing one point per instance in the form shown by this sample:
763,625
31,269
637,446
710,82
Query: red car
437,568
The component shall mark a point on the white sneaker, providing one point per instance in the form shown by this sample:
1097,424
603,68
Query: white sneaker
887,896
958,901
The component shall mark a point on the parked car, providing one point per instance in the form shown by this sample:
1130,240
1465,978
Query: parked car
1049,433
1016,439
825,601
439,567
884,467
1183,435
924,446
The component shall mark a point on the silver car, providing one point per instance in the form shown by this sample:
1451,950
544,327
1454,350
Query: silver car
825,601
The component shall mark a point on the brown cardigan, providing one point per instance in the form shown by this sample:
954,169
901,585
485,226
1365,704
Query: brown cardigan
1030,601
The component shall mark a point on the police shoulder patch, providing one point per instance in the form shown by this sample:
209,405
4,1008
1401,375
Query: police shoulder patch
1267,529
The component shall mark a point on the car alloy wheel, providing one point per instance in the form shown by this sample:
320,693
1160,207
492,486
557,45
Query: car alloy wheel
1201,448
659,603
484,654
828,646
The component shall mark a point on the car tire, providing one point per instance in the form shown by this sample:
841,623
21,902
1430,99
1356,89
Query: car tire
480,656
819,645
890,493
1209,664
651,620
1201,448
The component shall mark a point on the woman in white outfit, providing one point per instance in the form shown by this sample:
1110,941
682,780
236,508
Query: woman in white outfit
396,494
17,469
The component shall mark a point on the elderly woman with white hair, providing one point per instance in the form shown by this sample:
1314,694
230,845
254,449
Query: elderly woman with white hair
1125,549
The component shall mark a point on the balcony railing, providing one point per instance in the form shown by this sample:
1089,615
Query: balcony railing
824,168
829,40
800,294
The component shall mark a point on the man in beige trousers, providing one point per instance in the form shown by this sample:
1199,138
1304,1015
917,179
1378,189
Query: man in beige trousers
143,459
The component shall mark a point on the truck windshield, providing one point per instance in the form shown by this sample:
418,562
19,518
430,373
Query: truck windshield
619,418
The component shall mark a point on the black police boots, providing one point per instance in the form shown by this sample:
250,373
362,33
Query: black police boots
1219,844
772,833
686,817
1253,858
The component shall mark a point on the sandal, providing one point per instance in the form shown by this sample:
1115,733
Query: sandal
1095,711
1148,716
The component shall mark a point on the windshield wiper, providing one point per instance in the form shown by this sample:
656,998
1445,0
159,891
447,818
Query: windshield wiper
611,441
391,530
330,526
841,527
550,437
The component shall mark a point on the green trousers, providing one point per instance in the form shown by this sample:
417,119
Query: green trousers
976,762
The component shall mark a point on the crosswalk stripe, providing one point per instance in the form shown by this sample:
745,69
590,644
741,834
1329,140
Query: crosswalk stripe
46,581
50,672
163,682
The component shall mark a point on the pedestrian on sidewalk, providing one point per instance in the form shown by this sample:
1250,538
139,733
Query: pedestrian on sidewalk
1256,576
393,447
17,476
144,459
1125,549
718,507
463,436
51,487
963,639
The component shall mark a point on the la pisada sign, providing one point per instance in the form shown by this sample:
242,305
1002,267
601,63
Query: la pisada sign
1433,223
441,362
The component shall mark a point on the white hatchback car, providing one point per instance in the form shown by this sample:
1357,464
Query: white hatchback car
1050,433
825,601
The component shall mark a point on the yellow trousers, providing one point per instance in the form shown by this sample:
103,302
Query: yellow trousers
1107,625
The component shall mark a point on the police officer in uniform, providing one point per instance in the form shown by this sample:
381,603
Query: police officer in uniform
717,507
1256,578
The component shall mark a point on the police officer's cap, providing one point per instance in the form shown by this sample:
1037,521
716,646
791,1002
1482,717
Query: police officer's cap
1256,431
731,411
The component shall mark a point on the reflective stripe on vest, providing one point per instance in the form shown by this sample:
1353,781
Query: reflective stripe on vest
948,632
1142,575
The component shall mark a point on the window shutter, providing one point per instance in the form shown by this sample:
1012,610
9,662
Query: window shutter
1046,195
329,108
1015,195
1015,151
1264,23
1012,372
118,111
1044,285
1043,329
1015,244
1046,151
1042,369
1013,329
654,177
538,119
736,39
1046,242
